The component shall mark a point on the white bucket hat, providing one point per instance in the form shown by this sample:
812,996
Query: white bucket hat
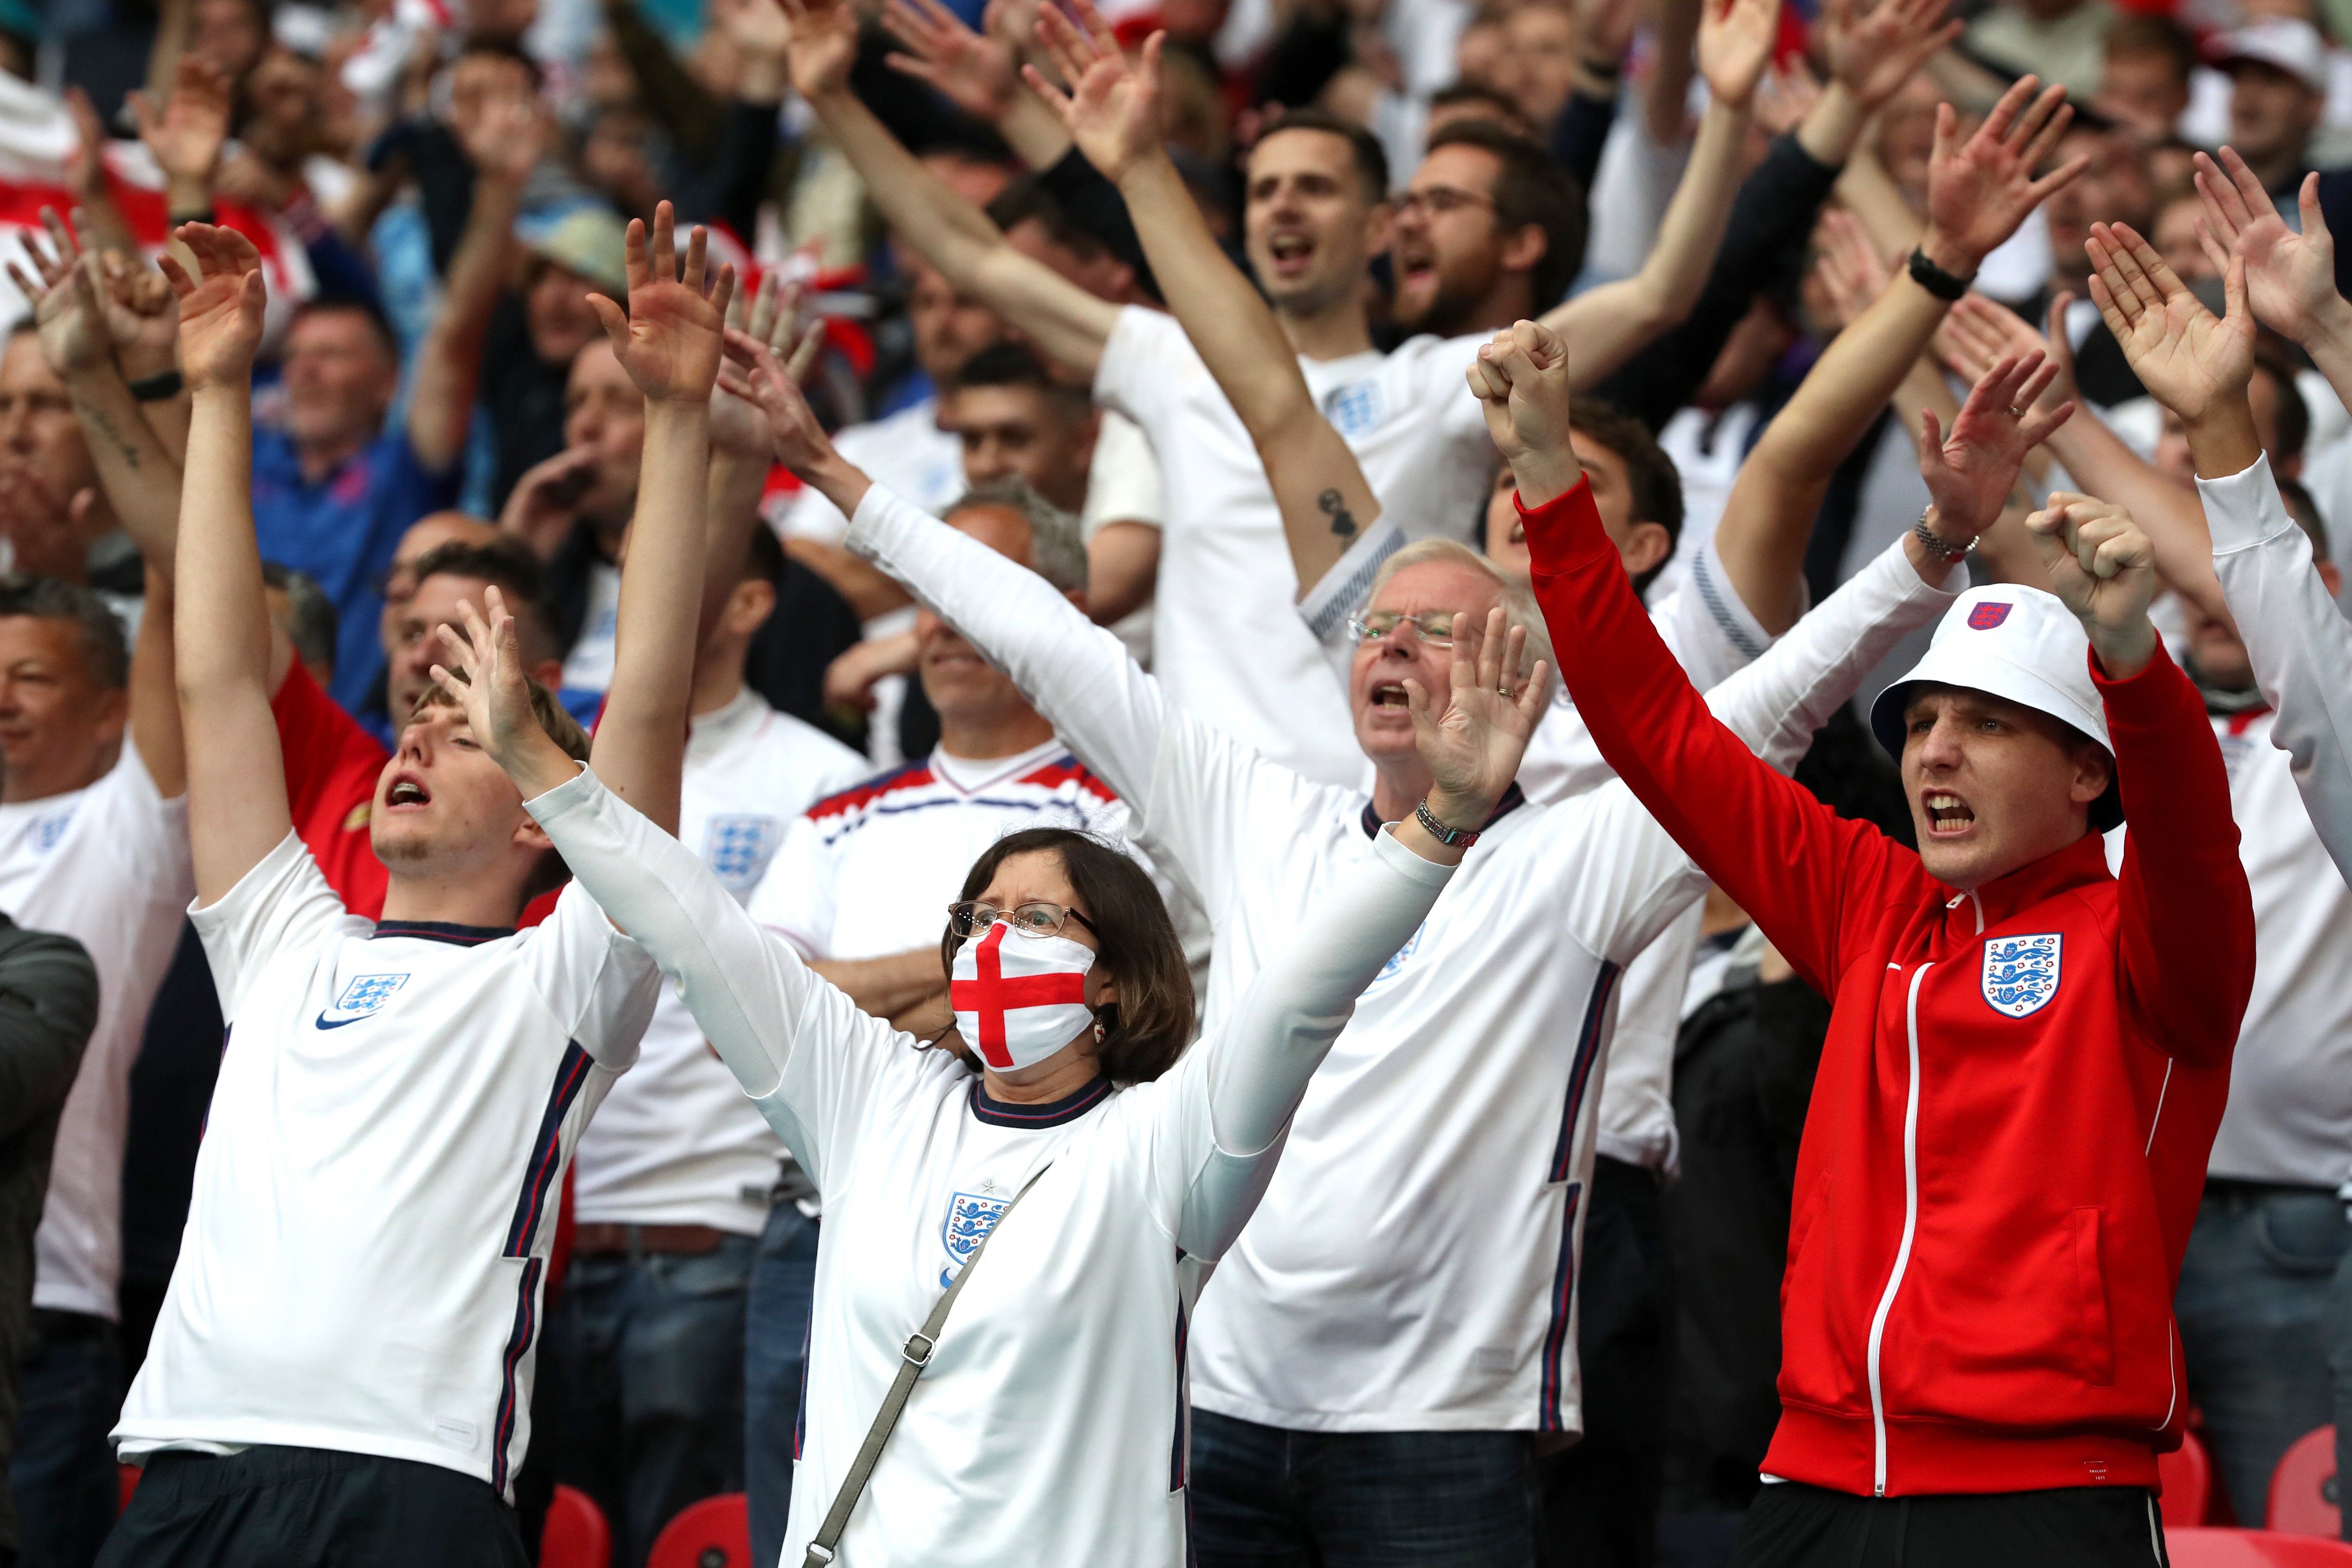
2023,646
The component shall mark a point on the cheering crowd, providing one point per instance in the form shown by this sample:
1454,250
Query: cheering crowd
1438,782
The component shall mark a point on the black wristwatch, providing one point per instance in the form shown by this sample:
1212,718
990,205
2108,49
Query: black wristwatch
1934,279
156,388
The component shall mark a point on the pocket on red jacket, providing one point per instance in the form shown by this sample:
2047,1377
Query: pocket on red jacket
2096,1351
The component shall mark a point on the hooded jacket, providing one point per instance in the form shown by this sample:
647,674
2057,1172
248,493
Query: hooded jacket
2008,1131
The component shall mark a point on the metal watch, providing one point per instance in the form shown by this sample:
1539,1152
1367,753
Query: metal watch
1935,544
1452,837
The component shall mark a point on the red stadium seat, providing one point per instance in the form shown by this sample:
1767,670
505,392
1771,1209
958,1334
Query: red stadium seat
2303,1487
713,1533
2252,1548
2188,1476
576,1535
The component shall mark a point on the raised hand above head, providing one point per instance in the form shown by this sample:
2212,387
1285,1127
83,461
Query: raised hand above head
483,676
752,372
1112,106
1979,190
186,132
2101,568
1850,267
2290,277
669,339
975,73
823,46
1970,473
2190,359
506,134
1873,50
1735,44
770,315
220,309
1473,745
1977,334
1521,380
66,308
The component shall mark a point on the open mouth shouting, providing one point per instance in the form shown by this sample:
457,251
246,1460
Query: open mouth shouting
407,793
1390,694
1947,815
1291,253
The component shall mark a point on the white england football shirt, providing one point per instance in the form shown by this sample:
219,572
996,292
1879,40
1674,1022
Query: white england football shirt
366,1248
676,1142
871,871
1225,636
107,864
1413,1266
1048,1427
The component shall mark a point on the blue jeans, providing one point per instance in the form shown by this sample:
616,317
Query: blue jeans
1263,1496
2253,1308
642,1383
63,1476
775,1355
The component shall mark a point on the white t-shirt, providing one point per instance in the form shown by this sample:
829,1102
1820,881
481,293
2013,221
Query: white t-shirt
2289,1118
1225,636
376,1192
906,450
870,872
1048,1427
107,864
589,665
1123,485
676,1142
1412,1265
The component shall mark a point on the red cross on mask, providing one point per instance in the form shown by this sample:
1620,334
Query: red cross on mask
1017,1002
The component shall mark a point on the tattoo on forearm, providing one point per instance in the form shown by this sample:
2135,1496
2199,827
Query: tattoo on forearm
106,427
1335,507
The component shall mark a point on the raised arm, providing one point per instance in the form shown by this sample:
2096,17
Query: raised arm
1608,323
1067,323
503,141
1074,672
237,778
1785,858
978,73
668,342
1113,112
2187,934
2290,276
2194,363
1977,193
1282,1028
2297,640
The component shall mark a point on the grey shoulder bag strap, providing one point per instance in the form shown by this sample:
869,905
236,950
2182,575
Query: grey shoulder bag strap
912,1359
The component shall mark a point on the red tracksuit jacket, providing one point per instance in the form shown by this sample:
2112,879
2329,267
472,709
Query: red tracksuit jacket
2008,1131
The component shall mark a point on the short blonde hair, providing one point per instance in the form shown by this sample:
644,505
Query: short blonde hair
561,726
1519,608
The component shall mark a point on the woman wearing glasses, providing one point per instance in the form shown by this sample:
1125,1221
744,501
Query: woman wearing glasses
1049,1423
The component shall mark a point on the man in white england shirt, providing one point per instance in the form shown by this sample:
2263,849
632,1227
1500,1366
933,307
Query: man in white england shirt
1317,213
343,1366
645,1363
93,845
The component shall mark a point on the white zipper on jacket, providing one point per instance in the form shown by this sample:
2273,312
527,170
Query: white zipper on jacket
1910,1228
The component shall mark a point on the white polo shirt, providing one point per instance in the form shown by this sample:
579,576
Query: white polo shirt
367,1242
1225,636
107,864
1413,1266
676,1142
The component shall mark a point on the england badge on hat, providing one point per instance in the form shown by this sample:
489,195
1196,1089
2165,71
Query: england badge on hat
2020,973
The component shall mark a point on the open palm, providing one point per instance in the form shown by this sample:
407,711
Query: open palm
2290,277
1873,53
2187,358
1473,747
974,73
1979,190
1735,44
824,45
1970,476
1112,108
185,134
220,308
669,342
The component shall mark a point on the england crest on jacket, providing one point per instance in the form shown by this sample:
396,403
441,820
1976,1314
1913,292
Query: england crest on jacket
2020,973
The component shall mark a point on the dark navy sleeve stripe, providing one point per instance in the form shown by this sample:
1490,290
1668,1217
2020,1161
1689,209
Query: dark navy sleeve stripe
1563,1313
547,1151
518,1341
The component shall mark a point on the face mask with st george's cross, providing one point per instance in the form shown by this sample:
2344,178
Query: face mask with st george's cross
1019,999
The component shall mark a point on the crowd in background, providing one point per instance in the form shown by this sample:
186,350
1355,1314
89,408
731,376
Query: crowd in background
434,187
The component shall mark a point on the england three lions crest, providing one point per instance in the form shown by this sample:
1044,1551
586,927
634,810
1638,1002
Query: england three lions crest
2020,973
970,1216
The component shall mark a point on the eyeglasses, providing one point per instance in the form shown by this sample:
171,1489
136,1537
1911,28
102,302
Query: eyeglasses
1035,918
1436,201
1434,627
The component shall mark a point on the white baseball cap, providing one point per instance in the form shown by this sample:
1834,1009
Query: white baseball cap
2018,644
2286,44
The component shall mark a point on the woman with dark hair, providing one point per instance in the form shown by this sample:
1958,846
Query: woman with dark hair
1048,1423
